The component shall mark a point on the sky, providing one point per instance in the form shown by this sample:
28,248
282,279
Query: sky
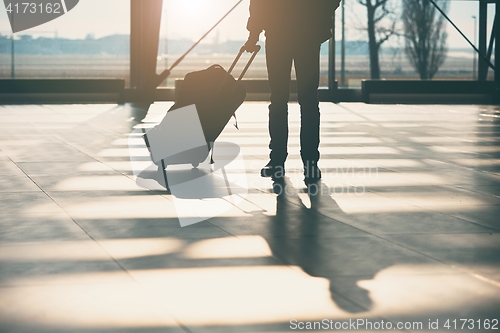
191,18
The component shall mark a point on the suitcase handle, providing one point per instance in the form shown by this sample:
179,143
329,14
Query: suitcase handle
254,54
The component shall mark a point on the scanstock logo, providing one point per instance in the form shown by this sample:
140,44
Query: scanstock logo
27,14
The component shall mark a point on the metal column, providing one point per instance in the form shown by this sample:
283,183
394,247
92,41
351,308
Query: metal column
332,86
144,41
497,49
482,69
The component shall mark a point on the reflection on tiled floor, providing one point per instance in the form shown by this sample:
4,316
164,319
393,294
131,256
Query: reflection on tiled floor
404,228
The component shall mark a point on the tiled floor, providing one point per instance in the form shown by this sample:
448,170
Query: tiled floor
404,228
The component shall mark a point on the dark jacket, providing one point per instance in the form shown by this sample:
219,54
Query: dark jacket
304,19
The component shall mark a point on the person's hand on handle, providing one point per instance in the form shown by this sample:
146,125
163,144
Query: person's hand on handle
251,44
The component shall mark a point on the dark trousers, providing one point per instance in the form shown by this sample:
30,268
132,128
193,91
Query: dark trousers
305,55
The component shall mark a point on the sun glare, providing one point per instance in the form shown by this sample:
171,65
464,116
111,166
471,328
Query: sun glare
192,18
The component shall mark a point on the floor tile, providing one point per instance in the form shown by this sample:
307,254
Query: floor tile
122,307
483,215
50,262
407,297
38,227
415,222
403,227
26,203
478,253
16,181
95,182
64,168
131,228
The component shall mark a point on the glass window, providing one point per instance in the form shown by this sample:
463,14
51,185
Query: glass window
460,62
185,21
90,41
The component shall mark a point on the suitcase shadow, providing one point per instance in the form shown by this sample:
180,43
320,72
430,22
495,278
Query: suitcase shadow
226,176
191,183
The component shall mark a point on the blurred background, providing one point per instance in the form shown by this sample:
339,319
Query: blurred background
93,41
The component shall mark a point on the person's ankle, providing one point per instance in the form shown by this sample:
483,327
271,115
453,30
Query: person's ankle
312,173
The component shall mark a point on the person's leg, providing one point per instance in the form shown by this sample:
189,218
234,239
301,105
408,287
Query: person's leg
307,69
279,66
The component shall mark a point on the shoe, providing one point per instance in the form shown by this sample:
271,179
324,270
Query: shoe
312,173
274,171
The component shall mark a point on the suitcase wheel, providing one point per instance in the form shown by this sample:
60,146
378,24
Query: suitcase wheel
195,165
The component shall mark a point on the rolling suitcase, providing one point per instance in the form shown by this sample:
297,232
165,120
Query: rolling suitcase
217,95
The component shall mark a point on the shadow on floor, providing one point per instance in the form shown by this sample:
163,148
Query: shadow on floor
303,248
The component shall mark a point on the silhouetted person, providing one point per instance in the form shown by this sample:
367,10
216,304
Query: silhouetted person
295,30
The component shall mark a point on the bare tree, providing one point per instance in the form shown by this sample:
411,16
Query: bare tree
425,36
377,11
